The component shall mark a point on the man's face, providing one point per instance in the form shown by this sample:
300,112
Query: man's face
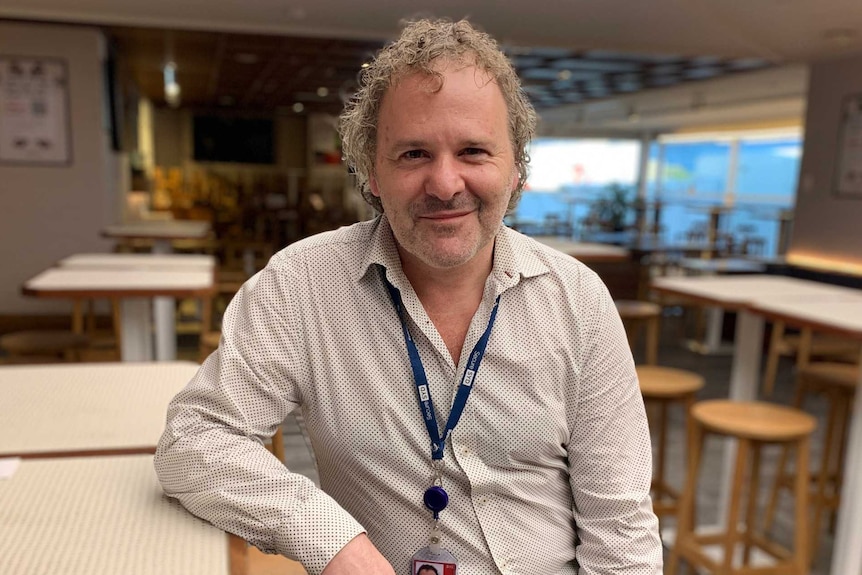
425,571
444,168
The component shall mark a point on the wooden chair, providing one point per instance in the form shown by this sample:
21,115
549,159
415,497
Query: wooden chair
634,314
661,388
753,425
837,383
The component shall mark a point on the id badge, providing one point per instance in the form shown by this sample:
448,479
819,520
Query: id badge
428,561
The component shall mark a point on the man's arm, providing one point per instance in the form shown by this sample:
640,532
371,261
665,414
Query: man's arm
211,455
359,556
610,457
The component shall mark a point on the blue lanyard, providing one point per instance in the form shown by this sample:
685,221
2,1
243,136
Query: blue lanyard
423,392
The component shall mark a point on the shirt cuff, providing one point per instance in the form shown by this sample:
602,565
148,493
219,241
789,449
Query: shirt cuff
316,532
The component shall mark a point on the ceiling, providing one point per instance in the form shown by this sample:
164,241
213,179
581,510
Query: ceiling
574,56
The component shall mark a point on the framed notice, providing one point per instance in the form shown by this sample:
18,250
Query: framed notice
848,179
34,111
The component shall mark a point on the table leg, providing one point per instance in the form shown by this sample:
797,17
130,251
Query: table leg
162,247
744,379
164,310
135,326
714,327
847,554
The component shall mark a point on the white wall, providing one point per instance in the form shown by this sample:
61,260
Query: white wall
50,212
827,225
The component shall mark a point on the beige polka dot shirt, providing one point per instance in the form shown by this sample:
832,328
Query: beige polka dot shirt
548,470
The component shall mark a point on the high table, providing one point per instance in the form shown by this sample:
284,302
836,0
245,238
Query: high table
103,516
585,252
711,343
161,232
139,261
843,318
134,287
87,409
747,295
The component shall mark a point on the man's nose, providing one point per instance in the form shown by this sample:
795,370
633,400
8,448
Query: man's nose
445,178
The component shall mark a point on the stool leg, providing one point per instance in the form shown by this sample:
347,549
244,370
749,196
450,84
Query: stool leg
751,512
819,499
800,538
652,335
732,533
662,447
687,508
781,476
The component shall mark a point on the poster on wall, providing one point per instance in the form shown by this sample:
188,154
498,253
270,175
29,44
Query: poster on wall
849,176
34,111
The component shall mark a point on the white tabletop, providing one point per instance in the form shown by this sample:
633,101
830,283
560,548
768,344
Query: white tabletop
739,291
139,261
175,229
585,251
55,409
105,281
721,265
101,516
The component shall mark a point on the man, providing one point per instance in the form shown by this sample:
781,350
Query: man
427,570
468,392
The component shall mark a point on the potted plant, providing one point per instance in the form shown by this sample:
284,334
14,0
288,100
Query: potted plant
611,210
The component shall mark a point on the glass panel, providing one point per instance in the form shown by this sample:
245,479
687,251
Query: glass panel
566,176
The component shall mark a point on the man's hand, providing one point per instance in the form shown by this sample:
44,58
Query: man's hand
359,556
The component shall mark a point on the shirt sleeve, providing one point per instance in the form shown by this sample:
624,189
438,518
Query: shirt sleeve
610,453
211,456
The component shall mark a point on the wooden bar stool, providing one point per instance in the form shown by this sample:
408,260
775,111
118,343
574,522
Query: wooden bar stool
635,313
752,425
662,387
837,383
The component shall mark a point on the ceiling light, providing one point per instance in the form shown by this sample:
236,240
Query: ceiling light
323,91
365,64
172,88
564,74
298,107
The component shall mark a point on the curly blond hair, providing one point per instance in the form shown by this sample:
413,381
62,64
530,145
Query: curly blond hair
421,43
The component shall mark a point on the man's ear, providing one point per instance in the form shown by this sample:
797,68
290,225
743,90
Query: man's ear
372,185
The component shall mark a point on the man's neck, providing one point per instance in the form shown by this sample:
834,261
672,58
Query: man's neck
438,287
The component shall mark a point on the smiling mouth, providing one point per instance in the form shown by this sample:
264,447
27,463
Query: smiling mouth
445,216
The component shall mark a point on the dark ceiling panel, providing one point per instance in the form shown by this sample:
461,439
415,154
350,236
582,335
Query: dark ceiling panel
258,72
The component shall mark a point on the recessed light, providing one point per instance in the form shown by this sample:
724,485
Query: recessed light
564,74
323,91
298,107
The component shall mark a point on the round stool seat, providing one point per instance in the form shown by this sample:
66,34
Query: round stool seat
667,382
633,309
755,420
42,341
830,373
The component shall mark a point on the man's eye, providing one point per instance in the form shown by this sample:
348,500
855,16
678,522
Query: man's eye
473,151
414,154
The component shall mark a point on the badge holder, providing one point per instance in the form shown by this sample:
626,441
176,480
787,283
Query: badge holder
433,559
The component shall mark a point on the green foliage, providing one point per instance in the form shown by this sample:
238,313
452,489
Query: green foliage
611,210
